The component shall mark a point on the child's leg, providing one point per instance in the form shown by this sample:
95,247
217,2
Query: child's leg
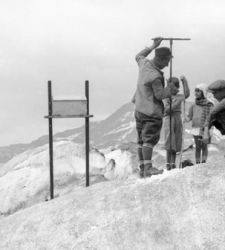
171,141
168,159
204,152
173,159
197,149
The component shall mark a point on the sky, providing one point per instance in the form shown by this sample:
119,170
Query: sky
71,41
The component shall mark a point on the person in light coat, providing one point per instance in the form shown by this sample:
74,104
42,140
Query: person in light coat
199,114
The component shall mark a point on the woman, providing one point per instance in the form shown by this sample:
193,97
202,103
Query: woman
174,145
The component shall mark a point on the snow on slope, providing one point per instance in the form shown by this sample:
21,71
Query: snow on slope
181,209
123,165
24,180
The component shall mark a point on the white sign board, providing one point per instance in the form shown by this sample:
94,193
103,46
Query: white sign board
69,107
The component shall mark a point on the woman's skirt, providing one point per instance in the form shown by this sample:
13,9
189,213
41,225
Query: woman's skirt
176,132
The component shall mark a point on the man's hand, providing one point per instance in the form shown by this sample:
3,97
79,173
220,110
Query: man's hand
156,42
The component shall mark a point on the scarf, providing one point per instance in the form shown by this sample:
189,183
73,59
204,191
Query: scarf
206,106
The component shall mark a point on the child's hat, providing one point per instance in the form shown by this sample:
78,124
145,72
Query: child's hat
203,88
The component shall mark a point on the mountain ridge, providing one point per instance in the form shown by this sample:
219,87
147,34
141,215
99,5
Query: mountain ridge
96,130
117,128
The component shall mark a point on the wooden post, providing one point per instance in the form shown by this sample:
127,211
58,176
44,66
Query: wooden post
87,133
50,139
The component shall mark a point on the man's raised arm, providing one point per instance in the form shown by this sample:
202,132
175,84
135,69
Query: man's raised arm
145,52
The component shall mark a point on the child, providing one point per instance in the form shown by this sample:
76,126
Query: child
174,145
199,114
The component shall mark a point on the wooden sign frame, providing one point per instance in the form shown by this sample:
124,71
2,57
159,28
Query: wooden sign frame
84,113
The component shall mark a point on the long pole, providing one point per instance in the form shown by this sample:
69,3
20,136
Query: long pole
183,128
171,70
87,133
50,139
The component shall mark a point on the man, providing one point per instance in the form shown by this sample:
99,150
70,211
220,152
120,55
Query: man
148,103
217,115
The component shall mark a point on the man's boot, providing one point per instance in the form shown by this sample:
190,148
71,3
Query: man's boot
149,171
141,173
173,165
141,161
168,166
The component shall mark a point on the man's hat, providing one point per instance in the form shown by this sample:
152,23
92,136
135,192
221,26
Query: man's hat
163,52
217,85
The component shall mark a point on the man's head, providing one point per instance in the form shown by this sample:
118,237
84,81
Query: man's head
218,89
162,57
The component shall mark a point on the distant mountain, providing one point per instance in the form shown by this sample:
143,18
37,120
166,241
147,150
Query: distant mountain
118,130
8,152
24,179
117,127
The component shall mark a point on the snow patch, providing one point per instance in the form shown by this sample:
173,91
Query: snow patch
129,114
123,164
123,127
25,179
